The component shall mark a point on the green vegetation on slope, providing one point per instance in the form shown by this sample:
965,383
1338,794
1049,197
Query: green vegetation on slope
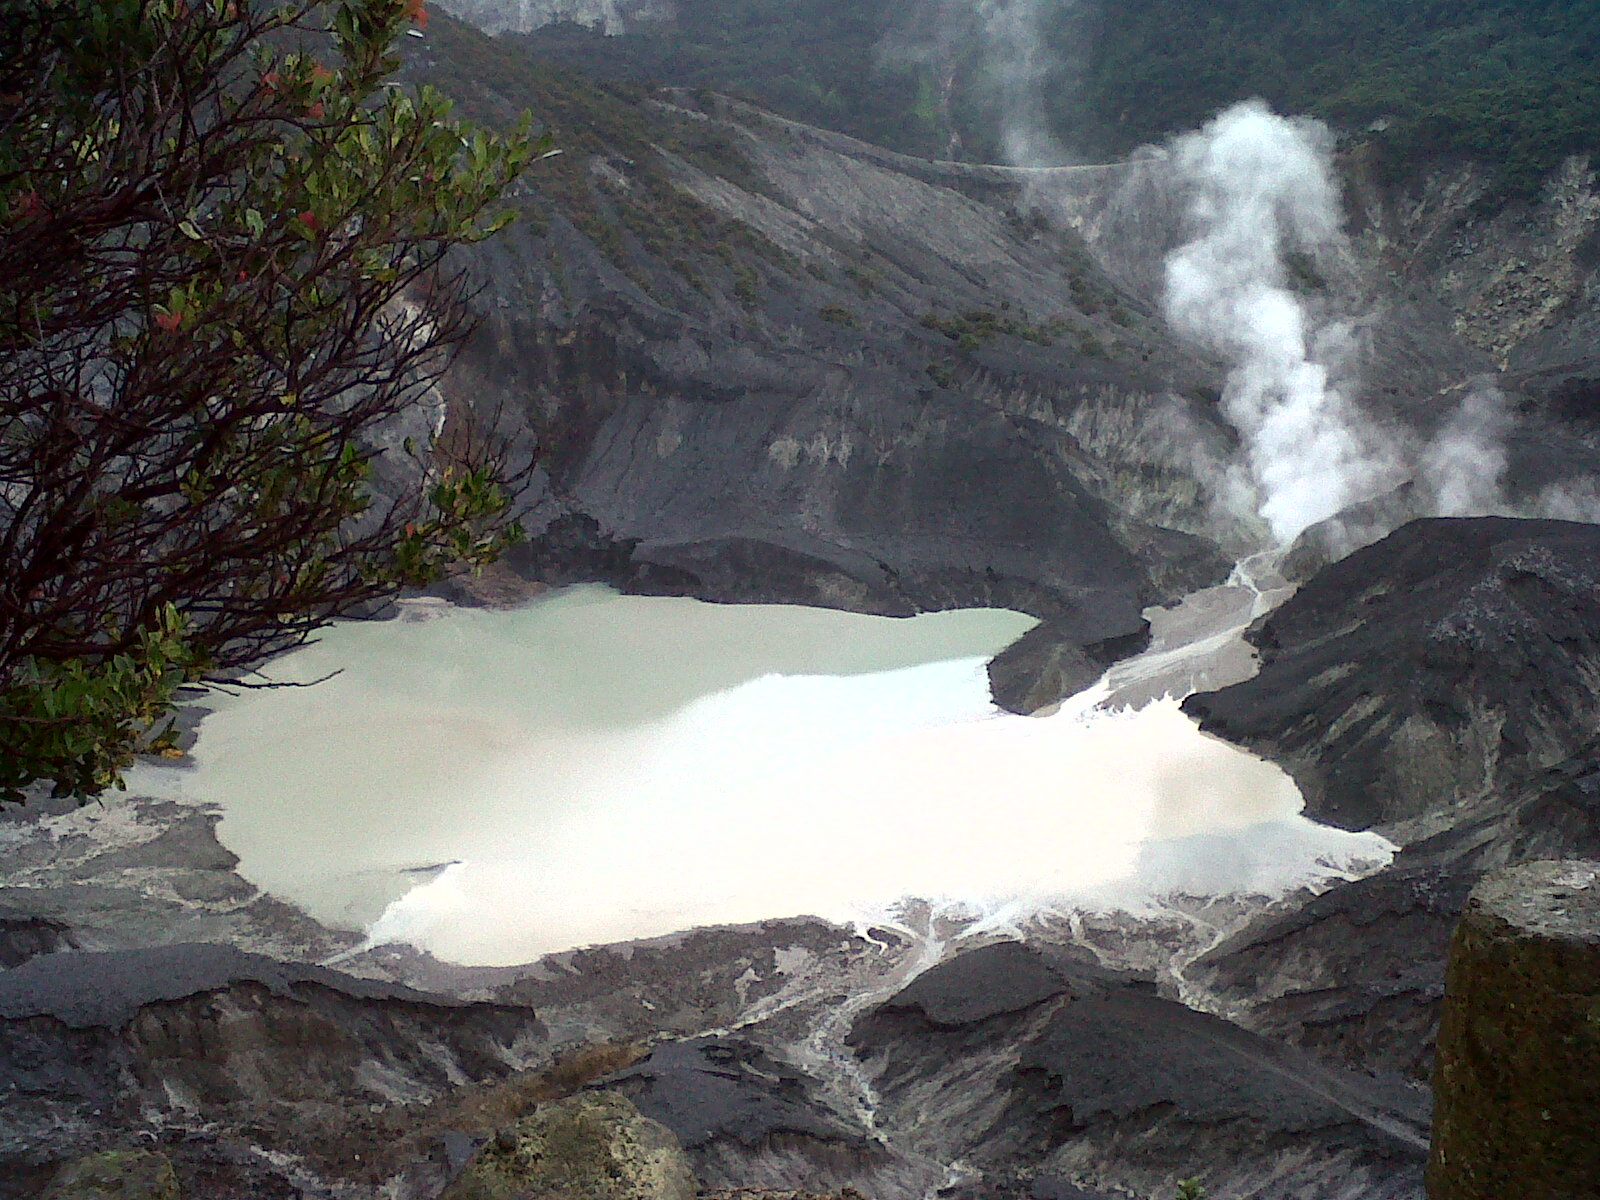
818,61
1513,83
634,211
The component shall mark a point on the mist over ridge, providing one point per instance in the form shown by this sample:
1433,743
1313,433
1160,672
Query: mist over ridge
1513,84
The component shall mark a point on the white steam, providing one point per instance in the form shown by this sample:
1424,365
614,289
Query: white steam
1018,60
1463,466
1260,201
1005,40
1571,500
1256,198
1261,188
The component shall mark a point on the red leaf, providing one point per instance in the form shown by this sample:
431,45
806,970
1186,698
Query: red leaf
309,219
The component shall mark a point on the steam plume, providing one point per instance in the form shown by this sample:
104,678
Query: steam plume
1257,198
1462,467
1016,56
1006,39
1261,187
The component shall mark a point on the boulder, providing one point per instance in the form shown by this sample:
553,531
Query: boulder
593,1146
1517,1084
116,1175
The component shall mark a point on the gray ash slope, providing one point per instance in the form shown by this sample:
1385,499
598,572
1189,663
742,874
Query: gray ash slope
1025,1065
763,361
773,420
997,1073
1444,685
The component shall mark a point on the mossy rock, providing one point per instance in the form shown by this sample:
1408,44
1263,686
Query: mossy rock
594,1146
116,1175
1517,1085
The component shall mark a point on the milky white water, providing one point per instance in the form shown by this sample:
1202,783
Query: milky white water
492,786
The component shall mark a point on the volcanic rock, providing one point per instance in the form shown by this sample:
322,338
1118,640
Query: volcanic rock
593,1146
1444,684
1024,1065
749,1120
1425,680
1518,1078
763,362
1057,659
1357,973
98,1047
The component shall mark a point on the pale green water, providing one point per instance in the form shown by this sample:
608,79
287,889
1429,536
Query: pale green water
600,767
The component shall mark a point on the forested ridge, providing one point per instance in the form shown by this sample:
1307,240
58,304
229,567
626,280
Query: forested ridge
1512,83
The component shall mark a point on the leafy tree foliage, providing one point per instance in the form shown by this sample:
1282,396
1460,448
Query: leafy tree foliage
222,242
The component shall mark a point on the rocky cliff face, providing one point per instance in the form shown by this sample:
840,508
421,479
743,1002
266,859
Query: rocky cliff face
1441,684
763,362
1519,283
1028,1068
255,1074
1427,679
1517,279
893,405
